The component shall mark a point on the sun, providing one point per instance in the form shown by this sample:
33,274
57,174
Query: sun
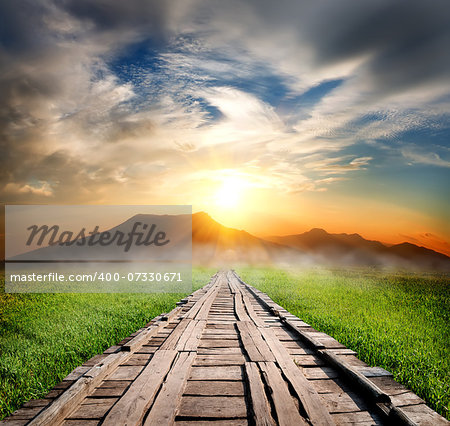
230,192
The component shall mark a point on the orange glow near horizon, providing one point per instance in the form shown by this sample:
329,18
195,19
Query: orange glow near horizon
268,212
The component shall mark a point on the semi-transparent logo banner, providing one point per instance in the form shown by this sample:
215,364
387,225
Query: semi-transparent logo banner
98,249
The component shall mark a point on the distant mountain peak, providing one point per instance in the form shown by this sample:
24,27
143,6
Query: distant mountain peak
318,231
201,214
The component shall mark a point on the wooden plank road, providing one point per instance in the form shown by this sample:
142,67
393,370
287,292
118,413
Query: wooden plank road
227,355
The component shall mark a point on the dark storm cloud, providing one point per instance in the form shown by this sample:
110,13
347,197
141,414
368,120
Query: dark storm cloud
151,15
408,40
21,27
404,42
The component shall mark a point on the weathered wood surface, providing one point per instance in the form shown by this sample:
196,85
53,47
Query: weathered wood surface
227,355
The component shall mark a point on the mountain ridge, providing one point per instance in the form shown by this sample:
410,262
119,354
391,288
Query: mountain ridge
319,246
214,243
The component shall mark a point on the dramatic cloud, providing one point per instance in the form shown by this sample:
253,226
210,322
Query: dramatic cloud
121,101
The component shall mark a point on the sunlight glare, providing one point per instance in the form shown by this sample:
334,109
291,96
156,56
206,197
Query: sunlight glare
230,193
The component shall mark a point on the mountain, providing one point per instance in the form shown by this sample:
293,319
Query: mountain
345,249
215,243
320,241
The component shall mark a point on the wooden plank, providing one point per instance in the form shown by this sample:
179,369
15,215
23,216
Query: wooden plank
220,336
357,418
125,372
293,344
166,404
222,317
172,341
219,351
137,341
26,413
308,360
214,388
407,398
422,414
310,399
300,351
307,337
342,351
388,385
251,312
112,349
351,360
374,372
239,308
330,343
218,360
220,322
206,306
330,386
107,392
95,409
319,373
232,372
63,406
224,326
138,360
191,335
115,384
194,339
63,385
36,403
131,408
211,407
286,410
254,345
260,404
215,333
214,343
77,372
234,288
194,310
146,350
356,377
343,402
12,421
216,422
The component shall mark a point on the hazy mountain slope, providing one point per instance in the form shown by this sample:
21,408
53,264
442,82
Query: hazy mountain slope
355,250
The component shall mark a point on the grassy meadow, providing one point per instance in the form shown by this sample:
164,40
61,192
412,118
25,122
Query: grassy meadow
398,321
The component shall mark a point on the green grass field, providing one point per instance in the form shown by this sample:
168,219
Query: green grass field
400,322
397,321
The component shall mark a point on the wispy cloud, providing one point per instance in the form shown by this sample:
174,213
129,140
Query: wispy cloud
339,165
418,156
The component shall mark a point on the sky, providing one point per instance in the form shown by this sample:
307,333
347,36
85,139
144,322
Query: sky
274,117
